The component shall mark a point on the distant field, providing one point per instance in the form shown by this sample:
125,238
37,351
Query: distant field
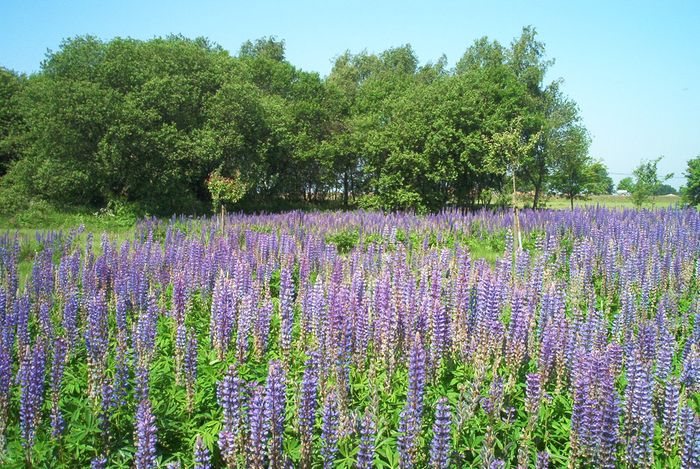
613,201
46,218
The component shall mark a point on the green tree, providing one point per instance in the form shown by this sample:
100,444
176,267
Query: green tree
511,148
601,182
484,96
149,122
574,171
11,122
691,193
120,120
647,181
665,189
266,47
626,184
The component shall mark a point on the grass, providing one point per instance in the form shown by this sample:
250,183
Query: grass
44,217
613,201
29,225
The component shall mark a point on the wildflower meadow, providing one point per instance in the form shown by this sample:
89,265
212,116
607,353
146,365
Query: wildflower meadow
355,339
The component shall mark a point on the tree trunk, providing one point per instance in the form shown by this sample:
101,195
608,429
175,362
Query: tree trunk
515,217
345,189
223,218
538,182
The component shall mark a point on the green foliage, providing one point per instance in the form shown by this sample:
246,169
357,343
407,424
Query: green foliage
665,189
344,240
691,193
225,191
626,184
600,181
148,122
11,122
647,182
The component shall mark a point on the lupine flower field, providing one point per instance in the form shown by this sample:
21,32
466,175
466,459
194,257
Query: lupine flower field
355,340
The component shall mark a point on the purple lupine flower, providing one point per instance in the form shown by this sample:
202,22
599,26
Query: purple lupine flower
329,430
30,378
144,339
610,422
492,404
106,406
690,452
406,442
142,377
416,377
222,315
180,345
245,323
96,341
22,309
440,332
594,434
411,416
664,357
533,393
368,435
190,368
669,417
98,462
440,445
45,320
179,299
639,421
275,402
308,403
542,460
228,445
145,436
5,382
516,348
122,370
202,457
690,374
57,368
258,429
230,396
262,326
647,341
145,330
70,318
286,294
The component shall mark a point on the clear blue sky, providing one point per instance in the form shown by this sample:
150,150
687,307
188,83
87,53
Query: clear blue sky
632,66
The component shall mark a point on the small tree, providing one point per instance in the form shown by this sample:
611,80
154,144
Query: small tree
511,147
647,181
573,172
225,191
691,193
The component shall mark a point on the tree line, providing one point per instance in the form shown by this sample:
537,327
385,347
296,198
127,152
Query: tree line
173,125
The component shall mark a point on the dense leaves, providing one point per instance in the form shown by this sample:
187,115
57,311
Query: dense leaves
691,192
147,123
